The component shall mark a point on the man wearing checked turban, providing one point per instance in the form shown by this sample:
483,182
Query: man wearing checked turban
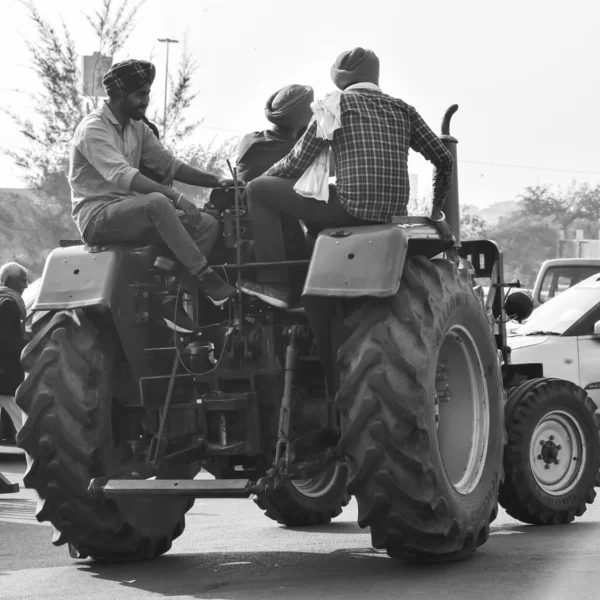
114,202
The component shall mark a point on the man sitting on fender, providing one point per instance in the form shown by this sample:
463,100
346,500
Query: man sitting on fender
113,202
370,151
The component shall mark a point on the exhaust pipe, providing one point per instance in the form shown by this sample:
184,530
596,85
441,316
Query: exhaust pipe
451,205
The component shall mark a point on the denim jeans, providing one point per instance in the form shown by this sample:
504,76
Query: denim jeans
269,199
151,218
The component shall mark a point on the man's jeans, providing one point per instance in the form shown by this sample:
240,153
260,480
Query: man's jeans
151,218
271,197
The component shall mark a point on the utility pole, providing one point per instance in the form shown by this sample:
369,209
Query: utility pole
168,41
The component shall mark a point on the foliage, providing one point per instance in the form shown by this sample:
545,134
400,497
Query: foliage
525,244
211,158
562,207
472,226
30,228
176,130
59,107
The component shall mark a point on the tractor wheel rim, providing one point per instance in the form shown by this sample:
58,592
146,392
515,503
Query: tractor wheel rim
462,409
557,453
319,485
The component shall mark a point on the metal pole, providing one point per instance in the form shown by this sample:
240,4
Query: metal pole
168,41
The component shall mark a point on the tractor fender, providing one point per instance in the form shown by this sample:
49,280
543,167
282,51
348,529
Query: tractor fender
357,261
74,277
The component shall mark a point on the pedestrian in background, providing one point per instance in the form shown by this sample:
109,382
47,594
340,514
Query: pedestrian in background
13,282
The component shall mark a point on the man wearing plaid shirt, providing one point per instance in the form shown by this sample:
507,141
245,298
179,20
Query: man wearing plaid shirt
370,152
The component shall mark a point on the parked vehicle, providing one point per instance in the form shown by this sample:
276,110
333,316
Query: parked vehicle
564,335
559,274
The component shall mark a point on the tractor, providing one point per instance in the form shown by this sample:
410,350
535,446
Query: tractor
390,381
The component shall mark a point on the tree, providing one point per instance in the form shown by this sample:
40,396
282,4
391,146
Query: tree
61,104
525,244
472,226
559,206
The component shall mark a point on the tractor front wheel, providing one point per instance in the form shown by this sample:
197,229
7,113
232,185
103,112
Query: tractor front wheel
552,456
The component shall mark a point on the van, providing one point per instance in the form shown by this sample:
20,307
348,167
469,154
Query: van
559,274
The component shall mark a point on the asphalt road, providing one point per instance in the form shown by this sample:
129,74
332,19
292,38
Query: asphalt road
230,551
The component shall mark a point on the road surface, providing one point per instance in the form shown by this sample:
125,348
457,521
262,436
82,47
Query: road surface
230,551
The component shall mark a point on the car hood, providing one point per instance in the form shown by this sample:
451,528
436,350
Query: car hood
524,341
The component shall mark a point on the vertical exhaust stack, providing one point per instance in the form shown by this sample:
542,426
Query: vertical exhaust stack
452,206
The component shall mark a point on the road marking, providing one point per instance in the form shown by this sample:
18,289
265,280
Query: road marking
18,510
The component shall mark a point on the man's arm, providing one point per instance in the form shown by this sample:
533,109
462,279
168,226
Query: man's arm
192,176
159,159
301,156
143,185
425,141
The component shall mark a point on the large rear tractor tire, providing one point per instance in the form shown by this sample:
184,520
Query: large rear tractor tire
68,437
421,403
552,456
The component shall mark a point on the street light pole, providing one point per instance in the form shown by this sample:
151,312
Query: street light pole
168,41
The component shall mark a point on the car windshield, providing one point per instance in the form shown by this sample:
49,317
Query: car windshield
559,313
560,278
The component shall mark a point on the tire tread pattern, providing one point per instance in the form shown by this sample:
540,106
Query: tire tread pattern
386,438
518,494
67,375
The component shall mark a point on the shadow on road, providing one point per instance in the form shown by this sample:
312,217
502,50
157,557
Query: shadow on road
515,556
335,527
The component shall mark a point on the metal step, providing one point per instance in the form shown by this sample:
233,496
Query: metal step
192,488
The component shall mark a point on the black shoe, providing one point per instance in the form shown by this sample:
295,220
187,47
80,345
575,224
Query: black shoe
267,293
214,288
175,317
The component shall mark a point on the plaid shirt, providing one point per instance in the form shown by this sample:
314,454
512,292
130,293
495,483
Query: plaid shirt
370,152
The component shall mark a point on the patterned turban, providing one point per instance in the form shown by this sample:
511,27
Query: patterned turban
355,66
128,76
289,107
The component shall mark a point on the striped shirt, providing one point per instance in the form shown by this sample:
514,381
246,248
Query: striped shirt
370,152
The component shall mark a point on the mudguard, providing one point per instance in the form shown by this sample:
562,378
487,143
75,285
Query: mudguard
357,261
74,277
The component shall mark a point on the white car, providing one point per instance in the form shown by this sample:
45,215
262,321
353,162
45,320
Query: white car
564,335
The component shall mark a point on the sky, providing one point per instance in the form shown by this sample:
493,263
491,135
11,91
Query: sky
524,73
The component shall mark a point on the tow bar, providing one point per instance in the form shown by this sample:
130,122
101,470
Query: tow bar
191,488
